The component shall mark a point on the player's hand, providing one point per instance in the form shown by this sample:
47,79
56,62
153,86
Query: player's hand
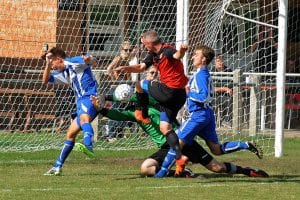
90,60
49,57
183,48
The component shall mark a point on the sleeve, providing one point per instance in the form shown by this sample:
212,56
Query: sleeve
76,59
58,78
121,115
148,60
169,52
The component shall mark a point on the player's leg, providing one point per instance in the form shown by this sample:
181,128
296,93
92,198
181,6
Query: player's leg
86,112
141,114
210,136
236,169
230,168
154,162
72,132
233,146
148,167
187,132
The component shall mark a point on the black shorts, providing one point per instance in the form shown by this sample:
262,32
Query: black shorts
195,152
160,155
170,99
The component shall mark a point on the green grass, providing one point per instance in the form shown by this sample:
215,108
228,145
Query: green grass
114,175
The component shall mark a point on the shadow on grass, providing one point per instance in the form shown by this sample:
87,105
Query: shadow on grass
270,179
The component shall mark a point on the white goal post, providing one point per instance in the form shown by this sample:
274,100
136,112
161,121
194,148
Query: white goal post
243,33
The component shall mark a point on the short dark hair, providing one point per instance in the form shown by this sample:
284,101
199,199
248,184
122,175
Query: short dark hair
208,52
57,51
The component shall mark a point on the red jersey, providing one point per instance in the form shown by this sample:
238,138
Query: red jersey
171,70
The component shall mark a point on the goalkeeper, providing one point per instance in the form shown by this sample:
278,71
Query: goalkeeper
79,76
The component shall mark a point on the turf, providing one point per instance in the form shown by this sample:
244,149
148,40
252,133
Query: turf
115,175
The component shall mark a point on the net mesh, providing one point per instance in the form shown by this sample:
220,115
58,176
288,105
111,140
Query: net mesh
34,116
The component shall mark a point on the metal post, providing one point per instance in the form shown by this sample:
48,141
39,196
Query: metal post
280,83
182,25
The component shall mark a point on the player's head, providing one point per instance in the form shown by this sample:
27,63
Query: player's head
150,39
203,55
219,62
56,58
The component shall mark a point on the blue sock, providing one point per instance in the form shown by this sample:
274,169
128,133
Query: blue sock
88,134
67,148
233,146
167,164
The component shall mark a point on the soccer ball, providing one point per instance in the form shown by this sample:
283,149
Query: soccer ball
123,92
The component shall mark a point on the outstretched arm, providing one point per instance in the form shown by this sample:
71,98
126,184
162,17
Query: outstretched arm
131,68
181,52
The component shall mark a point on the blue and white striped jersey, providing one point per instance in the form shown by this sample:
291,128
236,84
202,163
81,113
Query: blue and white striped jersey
78,76
201,90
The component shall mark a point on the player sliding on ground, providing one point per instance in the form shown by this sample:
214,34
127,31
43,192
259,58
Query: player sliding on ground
201,120
78,76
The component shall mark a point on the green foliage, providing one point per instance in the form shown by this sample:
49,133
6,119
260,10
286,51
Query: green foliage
115,175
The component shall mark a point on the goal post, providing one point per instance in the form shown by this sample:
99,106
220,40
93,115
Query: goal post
245,33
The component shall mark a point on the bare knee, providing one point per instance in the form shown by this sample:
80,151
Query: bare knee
148,167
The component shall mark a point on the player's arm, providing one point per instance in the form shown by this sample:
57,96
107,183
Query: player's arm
46,73
116,61
117,114
89,60
131,68
181,52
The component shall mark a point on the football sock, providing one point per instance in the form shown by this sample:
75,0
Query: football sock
172,140
67,148
167,164
229,147
234,169
143,102
88,135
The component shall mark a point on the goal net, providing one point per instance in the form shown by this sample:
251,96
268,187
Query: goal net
34,116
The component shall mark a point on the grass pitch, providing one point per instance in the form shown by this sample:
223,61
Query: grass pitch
115,175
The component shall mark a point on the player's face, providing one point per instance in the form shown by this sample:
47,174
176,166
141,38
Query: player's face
198,59
148,45
57,63
152,74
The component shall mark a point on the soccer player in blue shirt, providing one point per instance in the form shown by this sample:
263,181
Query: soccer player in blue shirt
80,78
201,119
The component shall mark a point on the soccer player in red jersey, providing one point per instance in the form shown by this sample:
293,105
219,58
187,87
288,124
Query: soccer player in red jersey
169,92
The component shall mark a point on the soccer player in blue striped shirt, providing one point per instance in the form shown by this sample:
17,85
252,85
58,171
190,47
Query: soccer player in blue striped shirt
78,75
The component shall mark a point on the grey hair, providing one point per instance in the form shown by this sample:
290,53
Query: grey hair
152,36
